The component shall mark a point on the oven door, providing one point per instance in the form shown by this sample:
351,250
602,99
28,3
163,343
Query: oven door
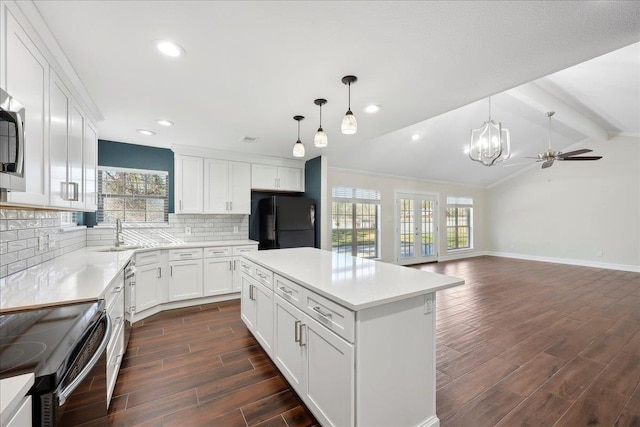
81,396
12,144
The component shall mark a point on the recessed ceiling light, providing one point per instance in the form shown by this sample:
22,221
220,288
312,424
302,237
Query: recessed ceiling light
170,48
164,122
415,136
146,132
372,108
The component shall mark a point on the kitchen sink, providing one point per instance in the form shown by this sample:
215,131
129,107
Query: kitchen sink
119,248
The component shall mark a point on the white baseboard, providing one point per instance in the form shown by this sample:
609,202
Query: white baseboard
185,303
430,422
605,265
461,255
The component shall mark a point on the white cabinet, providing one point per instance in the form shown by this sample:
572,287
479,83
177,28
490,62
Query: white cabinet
189,184
147,287
75,157
227,187
90,151
317,363
237,264
27,79
218,276
22,417
114,301
185,274
280,178
59,102
257,311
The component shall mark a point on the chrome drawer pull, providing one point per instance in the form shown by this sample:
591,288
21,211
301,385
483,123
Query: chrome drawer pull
319,311
297,331
285,290
116,290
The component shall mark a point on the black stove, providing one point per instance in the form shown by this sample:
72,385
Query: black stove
55,344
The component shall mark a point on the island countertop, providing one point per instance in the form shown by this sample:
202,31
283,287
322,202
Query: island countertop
354,283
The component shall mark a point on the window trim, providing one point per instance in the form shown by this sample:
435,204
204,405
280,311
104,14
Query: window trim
456,226
355,196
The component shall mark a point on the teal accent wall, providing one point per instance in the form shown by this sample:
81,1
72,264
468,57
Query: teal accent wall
123,155
313,189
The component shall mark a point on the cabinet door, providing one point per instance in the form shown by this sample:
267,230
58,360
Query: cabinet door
185,279
75,157
239,188
290,179
218,276
288,354
248,303
333,394
264,177
264,317
189,184
90,167
216,188
23,415
147,289
59,103
28,81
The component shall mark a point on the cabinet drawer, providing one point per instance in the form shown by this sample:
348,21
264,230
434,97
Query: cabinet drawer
217,252
247,267
288,290
329,314
178,254
116,313
145,258
239,250
264,276
115,354
114,293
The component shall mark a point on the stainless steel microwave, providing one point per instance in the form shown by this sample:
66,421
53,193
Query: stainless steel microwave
12,145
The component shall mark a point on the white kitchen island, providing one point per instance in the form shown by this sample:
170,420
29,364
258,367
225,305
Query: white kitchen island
355,338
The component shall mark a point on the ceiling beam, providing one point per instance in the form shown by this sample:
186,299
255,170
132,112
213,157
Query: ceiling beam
536,97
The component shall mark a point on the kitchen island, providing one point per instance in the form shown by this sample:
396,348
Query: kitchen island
354,337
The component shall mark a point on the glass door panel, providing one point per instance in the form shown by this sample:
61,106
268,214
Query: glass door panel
417,228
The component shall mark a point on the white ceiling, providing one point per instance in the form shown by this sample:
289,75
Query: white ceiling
252,65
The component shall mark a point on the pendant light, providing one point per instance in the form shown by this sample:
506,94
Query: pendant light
349,123
298,147
320,140
490,143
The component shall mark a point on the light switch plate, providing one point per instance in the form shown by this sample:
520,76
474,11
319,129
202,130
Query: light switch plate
187,231
235,229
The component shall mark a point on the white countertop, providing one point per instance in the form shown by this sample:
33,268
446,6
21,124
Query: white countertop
79,276
354,283
12,390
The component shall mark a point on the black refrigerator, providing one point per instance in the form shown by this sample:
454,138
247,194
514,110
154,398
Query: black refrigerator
287,222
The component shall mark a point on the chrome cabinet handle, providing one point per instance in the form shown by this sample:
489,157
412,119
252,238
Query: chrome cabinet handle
234,264
116,290
76,196
180,203
171,271
118,320
296,327
251,296
186,255
285,290
159,272
319,311
230,265
230,206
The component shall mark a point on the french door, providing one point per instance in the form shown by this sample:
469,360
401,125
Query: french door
417,228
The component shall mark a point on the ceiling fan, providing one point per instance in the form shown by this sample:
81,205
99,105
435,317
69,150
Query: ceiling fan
550,156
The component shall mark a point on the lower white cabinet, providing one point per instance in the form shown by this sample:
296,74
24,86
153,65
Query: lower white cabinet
114,300
316,362
22,417
218,276
147,289
185,279
257,311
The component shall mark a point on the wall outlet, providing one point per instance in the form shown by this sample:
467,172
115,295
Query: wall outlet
236,230
428,304
187,231
599,253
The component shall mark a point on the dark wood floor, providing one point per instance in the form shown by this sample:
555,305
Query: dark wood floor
522,343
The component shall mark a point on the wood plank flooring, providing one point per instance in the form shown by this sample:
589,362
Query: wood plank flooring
522,343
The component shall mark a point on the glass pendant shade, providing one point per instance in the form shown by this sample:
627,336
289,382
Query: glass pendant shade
298,149
349,124
320,140
491,143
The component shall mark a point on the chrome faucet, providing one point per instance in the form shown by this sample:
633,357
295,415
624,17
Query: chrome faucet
119,238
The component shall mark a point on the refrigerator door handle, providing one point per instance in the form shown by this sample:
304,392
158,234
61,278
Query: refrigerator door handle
312,215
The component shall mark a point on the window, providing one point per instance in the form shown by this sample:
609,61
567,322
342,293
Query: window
68,219
459,222
132,195
354,218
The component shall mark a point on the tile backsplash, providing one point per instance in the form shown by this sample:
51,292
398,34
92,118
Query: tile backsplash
203,228
24,232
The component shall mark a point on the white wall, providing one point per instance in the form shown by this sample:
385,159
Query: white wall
583,213
388,187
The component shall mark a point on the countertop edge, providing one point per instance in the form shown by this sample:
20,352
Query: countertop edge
12,391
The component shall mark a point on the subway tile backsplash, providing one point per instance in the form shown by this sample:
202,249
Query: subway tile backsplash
23,232
203,228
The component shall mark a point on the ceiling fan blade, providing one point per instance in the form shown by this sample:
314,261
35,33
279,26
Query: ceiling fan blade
581,158
547,164
575,153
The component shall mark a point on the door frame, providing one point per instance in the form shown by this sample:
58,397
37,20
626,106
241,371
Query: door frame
416,195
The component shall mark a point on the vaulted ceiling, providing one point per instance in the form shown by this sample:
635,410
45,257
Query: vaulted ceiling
251,66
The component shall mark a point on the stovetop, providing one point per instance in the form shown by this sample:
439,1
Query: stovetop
42,341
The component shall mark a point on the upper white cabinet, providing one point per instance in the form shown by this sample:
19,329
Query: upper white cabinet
189,184
27,79
90,150
280,178
227,187
75,158
59,102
